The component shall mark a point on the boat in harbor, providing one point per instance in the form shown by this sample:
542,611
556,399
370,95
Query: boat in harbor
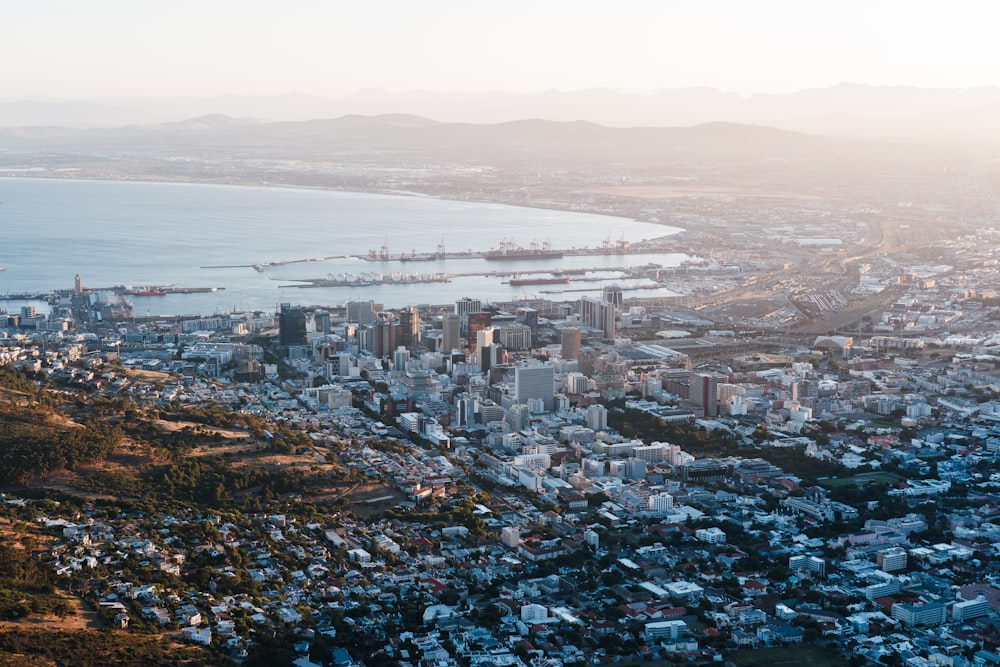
148,293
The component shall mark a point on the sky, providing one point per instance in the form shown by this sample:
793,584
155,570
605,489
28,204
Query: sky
98,49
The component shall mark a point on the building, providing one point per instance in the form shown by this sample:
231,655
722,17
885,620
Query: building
661,503
321,321
465,306
535,381
968,609
514,336
597,418
570,338
484,338
598,314
291,325
451,327
892,559
384,336
409,327
479,322
911,615
361,312
807,564
703,392
711,535
613,295
665,629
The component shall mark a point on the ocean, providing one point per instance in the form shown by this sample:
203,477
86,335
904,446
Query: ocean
146,234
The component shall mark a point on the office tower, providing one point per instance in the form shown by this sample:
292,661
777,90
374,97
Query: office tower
291,325
321,320
535,381
384,336
598,314
514,336
490,356
400,357
409,327
484,338
361,312
597,418
571,343
478,322
613,294
704,393
588,360
450,328
78,284
466,306
465,412
527,317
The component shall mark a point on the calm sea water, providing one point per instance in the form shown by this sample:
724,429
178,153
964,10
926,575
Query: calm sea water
128,233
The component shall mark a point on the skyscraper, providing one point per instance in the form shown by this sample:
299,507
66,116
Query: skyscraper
613,294
570,343
291,325
321,320
477,323
466,306
535,381
598,314
704,393
450,328
361,312
384,336
409,327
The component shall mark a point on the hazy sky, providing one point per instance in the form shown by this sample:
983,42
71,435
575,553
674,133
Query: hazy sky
88,49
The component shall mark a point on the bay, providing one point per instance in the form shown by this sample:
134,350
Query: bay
144,234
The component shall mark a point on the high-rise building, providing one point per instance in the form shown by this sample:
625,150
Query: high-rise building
598,314
478,322
514,336
361,312
78,284
291,325
528,317
490,356
704,393
588,360
597,418
384,336
535,381
466,306
570,338
400,357
451,326
409,327
613,294
321,320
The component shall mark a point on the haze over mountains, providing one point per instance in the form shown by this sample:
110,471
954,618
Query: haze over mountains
844,110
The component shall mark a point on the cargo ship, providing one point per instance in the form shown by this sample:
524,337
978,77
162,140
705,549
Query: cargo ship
148,293
518,282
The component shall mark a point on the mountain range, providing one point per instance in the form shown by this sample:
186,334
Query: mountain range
842,110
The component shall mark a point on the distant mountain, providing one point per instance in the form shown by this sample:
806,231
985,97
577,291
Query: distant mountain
844,109
527,142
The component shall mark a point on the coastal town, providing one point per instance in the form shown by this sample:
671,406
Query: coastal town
539,483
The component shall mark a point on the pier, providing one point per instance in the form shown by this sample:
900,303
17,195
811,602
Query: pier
508,251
